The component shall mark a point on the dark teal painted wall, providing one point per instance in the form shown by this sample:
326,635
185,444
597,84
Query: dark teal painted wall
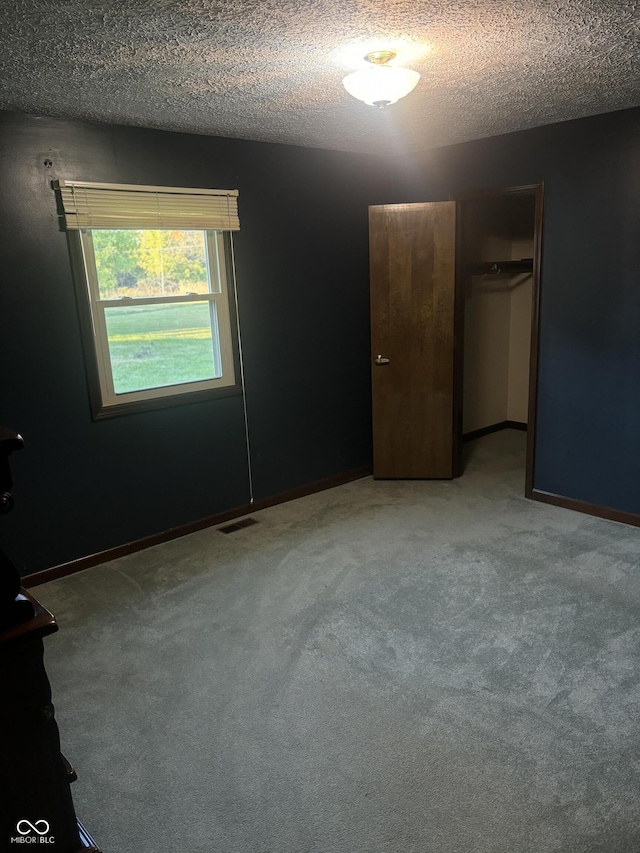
588,425
302,267
84,486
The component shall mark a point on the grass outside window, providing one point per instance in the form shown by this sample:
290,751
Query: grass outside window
160,314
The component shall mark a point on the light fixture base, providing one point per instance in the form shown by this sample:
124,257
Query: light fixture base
381,57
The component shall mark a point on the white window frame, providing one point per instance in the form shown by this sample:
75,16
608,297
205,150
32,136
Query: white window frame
217,296
105,403
87,206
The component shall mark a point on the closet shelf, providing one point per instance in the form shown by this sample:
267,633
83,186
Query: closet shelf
500,267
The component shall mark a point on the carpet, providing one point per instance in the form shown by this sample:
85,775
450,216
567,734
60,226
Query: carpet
384,667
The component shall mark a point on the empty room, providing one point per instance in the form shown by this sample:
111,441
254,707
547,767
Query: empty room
319,427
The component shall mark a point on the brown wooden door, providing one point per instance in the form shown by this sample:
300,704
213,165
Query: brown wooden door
412,265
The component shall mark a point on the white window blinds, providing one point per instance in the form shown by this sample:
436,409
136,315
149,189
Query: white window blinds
119,206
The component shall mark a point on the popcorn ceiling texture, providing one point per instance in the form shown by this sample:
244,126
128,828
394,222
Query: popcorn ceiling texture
271,70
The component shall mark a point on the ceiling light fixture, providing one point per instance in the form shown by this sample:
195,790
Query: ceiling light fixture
381,84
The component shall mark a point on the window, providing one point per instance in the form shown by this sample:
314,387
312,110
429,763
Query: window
156,284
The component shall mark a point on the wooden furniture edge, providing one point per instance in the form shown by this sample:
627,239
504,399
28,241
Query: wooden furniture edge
42,623
88,845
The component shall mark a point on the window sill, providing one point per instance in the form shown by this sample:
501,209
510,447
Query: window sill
101,412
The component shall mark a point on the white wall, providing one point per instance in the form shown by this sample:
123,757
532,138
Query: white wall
486,355
497,315
519,349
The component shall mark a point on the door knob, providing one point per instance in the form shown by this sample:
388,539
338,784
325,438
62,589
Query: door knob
381,360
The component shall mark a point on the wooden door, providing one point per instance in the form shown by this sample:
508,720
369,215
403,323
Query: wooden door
412,267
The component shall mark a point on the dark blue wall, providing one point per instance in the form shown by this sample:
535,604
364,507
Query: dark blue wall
588,425
82,486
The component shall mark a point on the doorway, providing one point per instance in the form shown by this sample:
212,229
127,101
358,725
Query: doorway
440,271
498,263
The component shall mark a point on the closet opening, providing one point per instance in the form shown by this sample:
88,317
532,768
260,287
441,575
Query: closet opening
498,272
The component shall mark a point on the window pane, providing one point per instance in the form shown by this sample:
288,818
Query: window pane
156,345
150,263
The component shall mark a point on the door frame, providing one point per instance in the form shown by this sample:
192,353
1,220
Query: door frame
537,191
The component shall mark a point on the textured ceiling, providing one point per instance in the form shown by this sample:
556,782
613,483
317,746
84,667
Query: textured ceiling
272,69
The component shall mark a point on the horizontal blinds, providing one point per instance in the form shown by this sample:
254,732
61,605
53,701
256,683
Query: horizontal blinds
120,206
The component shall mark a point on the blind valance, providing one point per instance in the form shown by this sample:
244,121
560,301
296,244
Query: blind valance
120,206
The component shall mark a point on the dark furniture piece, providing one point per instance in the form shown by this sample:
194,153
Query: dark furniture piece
35,799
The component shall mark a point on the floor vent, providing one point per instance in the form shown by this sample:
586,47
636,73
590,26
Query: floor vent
237,525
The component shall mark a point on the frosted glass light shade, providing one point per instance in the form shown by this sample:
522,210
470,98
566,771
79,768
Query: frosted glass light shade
381,84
